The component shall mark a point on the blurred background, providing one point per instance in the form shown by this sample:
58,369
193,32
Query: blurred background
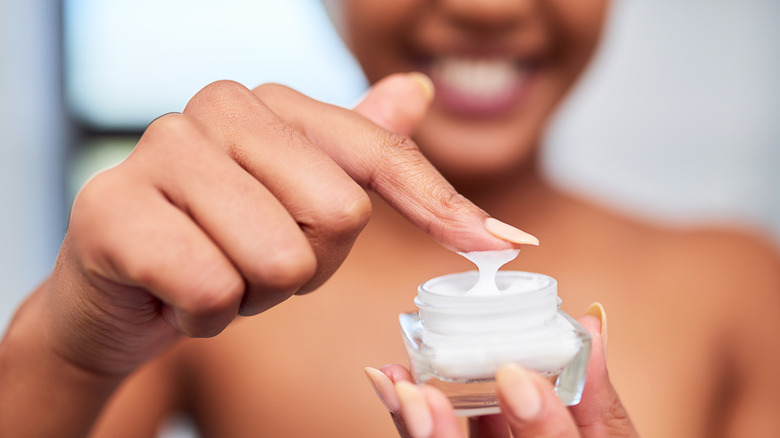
678,120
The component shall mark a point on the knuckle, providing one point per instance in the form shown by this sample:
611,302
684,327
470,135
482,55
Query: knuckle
223,91
451,208
617,415
227,101
400,143
272,91
285,269
451,201
94,204
93,192
397,152
348,215
216,293
611,417
169,123
210,303
98,224
230,111
172,131
207,302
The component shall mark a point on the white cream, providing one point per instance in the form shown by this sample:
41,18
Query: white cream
488,263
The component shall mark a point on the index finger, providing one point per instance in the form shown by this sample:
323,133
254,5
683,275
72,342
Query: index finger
393,166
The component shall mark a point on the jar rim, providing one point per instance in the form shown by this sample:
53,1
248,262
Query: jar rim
429,295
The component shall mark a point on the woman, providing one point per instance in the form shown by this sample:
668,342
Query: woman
250,196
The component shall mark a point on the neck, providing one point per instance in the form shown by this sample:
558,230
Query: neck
513,195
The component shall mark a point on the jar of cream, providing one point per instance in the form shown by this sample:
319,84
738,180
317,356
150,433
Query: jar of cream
469,324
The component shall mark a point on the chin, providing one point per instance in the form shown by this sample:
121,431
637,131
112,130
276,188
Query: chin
471,168
468,152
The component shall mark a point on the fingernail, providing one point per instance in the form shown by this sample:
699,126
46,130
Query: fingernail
518,391
509,233
424,82
597,309
417,416
384,389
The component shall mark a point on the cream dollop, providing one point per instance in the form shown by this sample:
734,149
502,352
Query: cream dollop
488,264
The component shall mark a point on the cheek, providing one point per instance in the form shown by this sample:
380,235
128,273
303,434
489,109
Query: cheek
372,30
579,25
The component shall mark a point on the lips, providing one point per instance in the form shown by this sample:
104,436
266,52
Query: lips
479,86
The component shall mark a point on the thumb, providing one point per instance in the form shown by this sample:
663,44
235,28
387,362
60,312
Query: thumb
600,412
398,102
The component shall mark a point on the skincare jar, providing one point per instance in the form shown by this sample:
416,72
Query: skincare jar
458,338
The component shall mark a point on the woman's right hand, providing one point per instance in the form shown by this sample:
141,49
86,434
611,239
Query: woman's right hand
244,199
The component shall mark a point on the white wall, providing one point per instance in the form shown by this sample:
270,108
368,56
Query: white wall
31,147
680,117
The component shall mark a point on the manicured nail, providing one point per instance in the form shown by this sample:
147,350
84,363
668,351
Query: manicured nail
597,309
417,416
518,391
384,389
509,233
424,82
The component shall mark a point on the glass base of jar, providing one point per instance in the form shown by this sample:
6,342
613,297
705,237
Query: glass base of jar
469,399
474,397
478,397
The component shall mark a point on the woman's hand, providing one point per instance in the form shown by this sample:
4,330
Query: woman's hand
229,208
528,402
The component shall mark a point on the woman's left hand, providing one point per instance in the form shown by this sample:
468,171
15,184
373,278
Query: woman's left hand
529,405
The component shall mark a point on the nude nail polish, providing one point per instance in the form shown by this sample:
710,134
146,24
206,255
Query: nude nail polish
384,388
509,233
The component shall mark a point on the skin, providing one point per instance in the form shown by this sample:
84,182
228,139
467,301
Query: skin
221,211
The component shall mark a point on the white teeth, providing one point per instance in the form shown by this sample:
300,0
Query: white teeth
478,78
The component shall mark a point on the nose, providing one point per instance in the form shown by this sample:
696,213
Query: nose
492,16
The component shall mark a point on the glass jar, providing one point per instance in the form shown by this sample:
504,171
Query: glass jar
456,341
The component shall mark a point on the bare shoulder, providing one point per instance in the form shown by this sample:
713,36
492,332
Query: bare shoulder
725,261
735,271
740,274
728,276
743,270
736,262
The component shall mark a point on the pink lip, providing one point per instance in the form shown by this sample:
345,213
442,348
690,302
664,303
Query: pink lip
456,102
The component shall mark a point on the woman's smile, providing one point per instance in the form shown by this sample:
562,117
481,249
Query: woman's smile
499,70
479,86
